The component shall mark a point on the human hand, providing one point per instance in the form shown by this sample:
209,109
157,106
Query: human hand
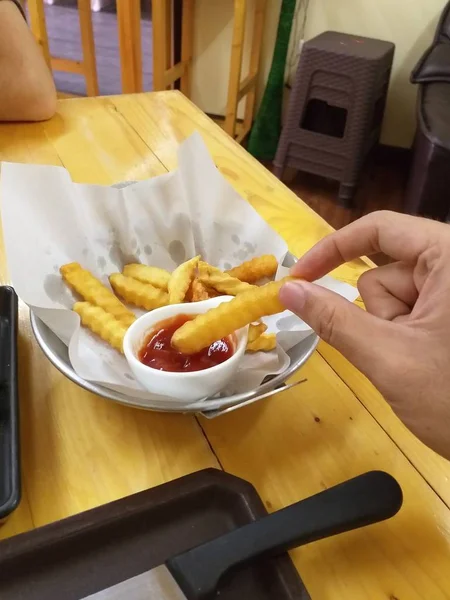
402,342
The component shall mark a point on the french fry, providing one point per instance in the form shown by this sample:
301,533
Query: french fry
135,292
198,291
93,291
202,291
102,323
154,275
224,283
221,282
255,269
204,269
181,279
255,330
213,293
226,318
265,343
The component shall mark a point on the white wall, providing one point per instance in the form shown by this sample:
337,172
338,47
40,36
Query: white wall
408,23
213,37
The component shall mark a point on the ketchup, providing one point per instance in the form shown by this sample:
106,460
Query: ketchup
157,351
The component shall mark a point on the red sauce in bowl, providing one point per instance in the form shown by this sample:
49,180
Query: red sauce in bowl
157,351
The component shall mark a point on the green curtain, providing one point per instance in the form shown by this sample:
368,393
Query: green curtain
266,129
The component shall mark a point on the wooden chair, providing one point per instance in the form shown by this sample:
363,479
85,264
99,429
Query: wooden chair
165,73
86,67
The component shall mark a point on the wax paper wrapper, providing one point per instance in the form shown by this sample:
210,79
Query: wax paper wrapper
48,221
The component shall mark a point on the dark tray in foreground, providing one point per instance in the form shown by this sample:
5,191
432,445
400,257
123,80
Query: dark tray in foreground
9,409
83,554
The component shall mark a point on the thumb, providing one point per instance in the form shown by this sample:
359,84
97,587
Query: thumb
361,337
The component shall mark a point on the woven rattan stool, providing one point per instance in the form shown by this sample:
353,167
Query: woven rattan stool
336,107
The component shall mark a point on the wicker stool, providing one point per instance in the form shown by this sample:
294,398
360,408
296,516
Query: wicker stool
336,108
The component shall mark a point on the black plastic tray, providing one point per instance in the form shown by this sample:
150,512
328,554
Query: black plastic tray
9,406
78,556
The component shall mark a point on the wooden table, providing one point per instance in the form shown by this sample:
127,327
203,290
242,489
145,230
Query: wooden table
80,451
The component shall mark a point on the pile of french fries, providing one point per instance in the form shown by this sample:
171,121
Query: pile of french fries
150,287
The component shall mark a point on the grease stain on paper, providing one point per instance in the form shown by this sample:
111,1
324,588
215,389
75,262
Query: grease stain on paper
56,290
101,263
177,251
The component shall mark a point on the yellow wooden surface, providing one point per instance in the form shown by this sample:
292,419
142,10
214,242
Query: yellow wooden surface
80,451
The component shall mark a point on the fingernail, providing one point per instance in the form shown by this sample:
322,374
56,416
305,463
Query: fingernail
293,295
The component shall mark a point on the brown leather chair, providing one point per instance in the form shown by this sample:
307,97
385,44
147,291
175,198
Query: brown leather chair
428,190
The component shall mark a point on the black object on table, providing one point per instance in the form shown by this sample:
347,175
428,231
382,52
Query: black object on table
9,405
96,549
198,573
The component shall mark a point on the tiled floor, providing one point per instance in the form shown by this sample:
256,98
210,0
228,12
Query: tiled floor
382,186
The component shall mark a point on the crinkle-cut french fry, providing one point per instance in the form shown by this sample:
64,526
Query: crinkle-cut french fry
226,318
224,283
255,330
181,279
210,292
135,292
198,291
102,323
93,291
204,269
154,275
264,343
214,293
255,269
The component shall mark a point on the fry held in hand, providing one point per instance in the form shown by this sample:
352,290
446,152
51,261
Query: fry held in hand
135,292
181,279
153,275
264,343
255,269
228,317
92,290
102,323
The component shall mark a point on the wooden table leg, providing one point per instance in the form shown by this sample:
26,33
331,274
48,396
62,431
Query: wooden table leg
129,25
187,46
38,27
258,31
240,11
162,42
88,46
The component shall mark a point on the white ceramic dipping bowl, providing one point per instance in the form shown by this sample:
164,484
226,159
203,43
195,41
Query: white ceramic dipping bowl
181,387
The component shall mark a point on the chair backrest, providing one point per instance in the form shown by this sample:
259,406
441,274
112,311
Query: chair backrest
443,27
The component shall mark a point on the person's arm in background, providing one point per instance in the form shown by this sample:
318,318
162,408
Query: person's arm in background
27,90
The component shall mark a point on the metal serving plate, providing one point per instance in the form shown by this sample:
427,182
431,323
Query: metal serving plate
58,354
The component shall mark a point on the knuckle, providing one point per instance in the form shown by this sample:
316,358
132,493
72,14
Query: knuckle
429,259
384,214
327,321
365,281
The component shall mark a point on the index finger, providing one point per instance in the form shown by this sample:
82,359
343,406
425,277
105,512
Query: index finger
402,237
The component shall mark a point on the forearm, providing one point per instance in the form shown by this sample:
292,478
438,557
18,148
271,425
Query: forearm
27,91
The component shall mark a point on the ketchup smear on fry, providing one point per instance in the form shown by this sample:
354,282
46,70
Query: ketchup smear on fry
157,351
